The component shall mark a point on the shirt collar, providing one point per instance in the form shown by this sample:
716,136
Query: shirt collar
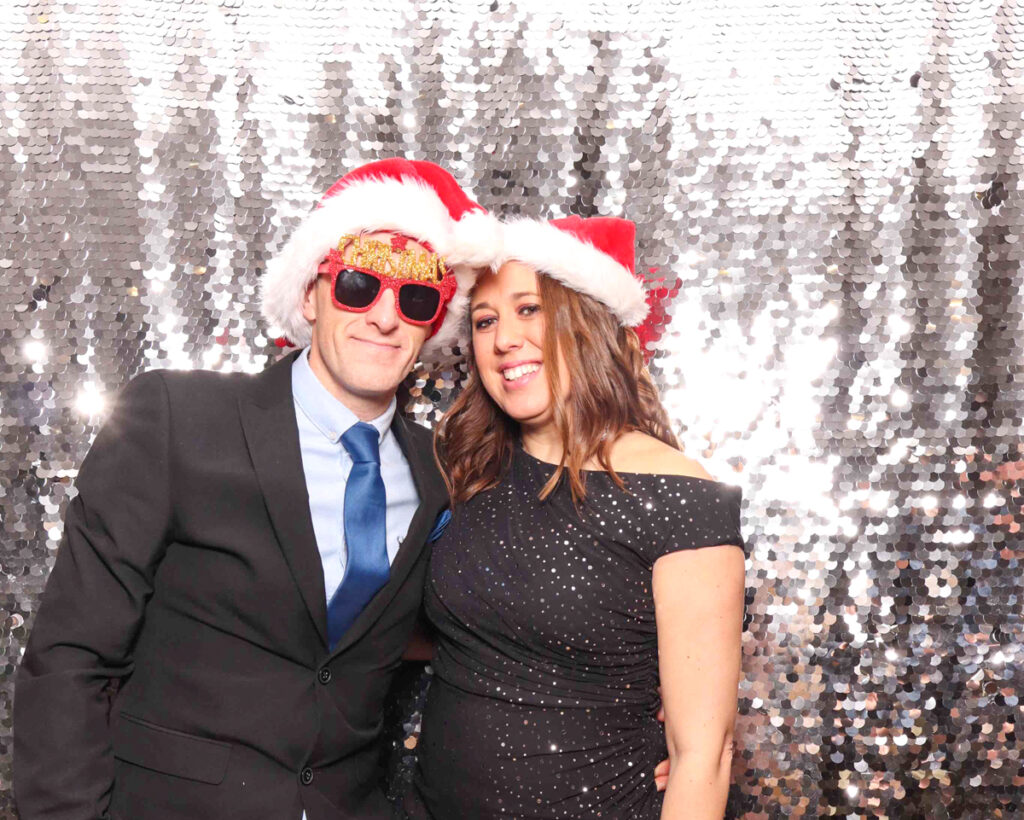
327,414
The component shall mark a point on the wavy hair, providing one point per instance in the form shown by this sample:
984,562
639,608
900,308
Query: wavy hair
611,395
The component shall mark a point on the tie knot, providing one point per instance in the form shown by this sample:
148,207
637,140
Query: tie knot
360,440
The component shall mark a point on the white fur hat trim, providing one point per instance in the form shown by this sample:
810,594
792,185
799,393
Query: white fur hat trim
578,265
407,206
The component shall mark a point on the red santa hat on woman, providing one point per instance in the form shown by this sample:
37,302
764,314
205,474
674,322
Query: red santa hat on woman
593,255
418,199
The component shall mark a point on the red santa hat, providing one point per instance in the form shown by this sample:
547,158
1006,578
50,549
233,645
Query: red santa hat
412,197
593,255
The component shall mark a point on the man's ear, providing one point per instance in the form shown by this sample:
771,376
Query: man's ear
309,302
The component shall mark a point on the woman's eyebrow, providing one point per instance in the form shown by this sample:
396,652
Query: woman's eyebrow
520,295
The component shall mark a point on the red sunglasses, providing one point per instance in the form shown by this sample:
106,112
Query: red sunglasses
358,289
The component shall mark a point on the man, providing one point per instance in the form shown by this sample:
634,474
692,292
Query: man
242,566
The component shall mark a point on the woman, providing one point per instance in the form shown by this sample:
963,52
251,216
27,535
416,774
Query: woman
567,587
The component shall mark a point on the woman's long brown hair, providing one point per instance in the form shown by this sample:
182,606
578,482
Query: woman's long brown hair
611,395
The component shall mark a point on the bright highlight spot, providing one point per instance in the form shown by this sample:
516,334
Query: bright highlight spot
90,401
35,351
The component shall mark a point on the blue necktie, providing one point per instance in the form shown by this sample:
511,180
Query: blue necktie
366,568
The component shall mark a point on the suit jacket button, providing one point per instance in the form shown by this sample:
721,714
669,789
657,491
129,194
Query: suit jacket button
306,776
324,676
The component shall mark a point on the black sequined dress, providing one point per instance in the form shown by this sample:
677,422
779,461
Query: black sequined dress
544,697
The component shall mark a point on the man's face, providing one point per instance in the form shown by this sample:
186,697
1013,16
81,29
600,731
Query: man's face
361,358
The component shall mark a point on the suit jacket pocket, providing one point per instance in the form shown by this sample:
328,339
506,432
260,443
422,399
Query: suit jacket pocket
169,751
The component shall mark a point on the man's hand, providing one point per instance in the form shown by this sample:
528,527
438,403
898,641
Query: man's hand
421,643
662,769
661,775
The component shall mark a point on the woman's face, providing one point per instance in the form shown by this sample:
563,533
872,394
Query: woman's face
508,326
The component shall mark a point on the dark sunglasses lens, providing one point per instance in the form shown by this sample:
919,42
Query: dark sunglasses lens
418,302
355,289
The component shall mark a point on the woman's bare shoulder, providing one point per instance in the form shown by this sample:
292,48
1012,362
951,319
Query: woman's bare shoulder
641,453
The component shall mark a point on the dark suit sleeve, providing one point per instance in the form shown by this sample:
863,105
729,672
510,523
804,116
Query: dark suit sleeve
115,532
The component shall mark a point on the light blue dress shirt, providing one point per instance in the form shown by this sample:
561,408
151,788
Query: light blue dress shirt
322,420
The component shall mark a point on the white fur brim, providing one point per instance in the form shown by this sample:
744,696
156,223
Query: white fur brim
376,204
455,326
576,264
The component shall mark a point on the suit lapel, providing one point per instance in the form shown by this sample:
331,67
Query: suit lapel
272,435
432,495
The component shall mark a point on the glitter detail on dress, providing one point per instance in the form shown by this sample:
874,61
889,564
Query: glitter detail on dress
544,697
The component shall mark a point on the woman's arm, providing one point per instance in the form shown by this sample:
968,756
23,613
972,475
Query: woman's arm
698,602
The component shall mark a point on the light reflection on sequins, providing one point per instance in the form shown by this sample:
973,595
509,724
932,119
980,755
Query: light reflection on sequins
829,190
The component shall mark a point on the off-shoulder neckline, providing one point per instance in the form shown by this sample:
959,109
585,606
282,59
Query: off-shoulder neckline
624,473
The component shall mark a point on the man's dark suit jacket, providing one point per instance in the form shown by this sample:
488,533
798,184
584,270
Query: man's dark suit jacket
189,574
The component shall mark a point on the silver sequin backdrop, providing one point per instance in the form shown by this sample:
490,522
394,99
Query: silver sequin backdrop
830,190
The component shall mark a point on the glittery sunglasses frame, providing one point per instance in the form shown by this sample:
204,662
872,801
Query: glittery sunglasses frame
335,264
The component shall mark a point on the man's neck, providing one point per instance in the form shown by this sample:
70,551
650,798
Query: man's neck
365,408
